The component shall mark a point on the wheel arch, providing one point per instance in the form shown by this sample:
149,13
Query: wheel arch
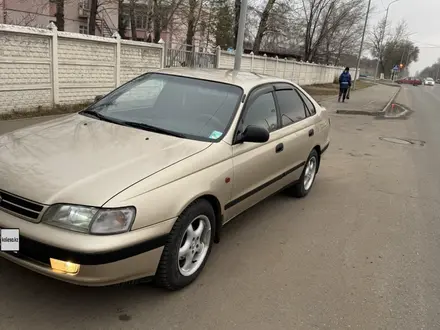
318,150
217,207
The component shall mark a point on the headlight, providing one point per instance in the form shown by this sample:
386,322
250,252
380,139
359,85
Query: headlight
92,220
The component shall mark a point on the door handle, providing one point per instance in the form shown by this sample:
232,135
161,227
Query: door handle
279,148
311,132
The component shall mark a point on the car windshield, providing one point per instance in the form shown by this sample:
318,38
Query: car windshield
174,105
429,79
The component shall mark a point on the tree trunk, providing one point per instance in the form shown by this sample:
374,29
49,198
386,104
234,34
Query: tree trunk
157,21
122,24
190,32
59,16
133,21
262,27
92,19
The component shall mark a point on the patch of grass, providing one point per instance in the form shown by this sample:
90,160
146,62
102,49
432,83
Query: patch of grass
44,111
332,88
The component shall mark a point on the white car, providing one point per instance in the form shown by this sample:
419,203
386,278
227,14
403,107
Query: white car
429,82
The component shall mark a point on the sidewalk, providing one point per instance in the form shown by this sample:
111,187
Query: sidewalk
367,101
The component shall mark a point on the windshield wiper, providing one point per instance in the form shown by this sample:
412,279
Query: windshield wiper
150,128
95,114
143,126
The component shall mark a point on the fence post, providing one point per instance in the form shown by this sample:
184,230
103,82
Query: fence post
218,52
55,81
118,59
276,66
285,67
293,71
162,60
265,63
252,61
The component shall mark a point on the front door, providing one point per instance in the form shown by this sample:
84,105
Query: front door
258,167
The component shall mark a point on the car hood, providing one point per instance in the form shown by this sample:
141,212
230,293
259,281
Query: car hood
81,160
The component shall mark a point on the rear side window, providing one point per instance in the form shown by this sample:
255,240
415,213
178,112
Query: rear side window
292,108
310,107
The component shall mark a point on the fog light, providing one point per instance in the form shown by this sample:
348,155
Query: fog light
65,267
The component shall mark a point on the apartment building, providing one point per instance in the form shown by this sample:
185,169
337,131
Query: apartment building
39,13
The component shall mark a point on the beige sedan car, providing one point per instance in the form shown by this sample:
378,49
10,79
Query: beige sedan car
140,183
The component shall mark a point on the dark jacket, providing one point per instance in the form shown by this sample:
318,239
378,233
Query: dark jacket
345,80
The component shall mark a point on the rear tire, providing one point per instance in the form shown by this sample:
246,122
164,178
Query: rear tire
188,247
305,183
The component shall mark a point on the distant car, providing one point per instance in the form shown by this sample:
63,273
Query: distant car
410,80
141,182
428,82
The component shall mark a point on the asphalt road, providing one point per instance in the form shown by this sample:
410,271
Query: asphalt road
360,252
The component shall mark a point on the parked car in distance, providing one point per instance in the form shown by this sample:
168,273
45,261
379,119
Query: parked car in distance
428,82
410,80
139,184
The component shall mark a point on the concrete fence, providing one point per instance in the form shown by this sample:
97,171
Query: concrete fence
302,73
46,67
41,68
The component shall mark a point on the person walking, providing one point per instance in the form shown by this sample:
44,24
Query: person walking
344,84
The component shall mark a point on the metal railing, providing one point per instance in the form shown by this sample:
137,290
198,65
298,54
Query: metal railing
183,55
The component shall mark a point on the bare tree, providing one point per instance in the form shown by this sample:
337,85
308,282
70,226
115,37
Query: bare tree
59,15
122,20
92,18
193,17
377,36
387,45
324,19
344,32
262,27
164,11
132,11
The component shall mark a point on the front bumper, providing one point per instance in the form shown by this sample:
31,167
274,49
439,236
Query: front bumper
103,260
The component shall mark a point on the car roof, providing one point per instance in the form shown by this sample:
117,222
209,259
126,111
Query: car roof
244,79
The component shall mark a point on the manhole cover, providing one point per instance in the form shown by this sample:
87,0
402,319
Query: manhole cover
395,140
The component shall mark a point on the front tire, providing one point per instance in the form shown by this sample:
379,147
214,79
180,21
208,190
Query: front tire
305,183
188,247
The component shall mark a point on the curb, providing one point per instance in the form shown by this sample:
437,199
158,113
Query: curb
370,113
391,100
358,112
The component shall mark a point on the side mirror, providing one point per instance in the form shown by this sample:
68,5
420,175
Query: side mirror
98,97
255,134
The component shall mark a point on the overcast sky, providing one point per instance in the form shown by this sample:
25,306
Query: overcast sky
421,16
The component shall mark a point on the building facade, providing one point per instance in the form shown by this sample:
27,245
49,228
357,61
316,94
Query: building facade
39,13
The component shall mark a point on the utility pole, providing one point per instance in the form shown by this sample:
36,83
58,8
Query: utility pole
381,39
362,45
240,35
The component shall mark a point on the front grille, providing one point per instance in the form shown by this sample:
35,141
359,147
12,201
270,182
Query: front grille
19,206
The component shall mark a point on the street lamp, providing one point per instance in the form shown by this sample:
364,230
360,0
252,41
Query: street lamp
240,35
381,39
362,44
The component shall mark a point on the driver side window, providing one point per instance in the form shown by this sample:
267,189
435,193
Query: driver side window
262,112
